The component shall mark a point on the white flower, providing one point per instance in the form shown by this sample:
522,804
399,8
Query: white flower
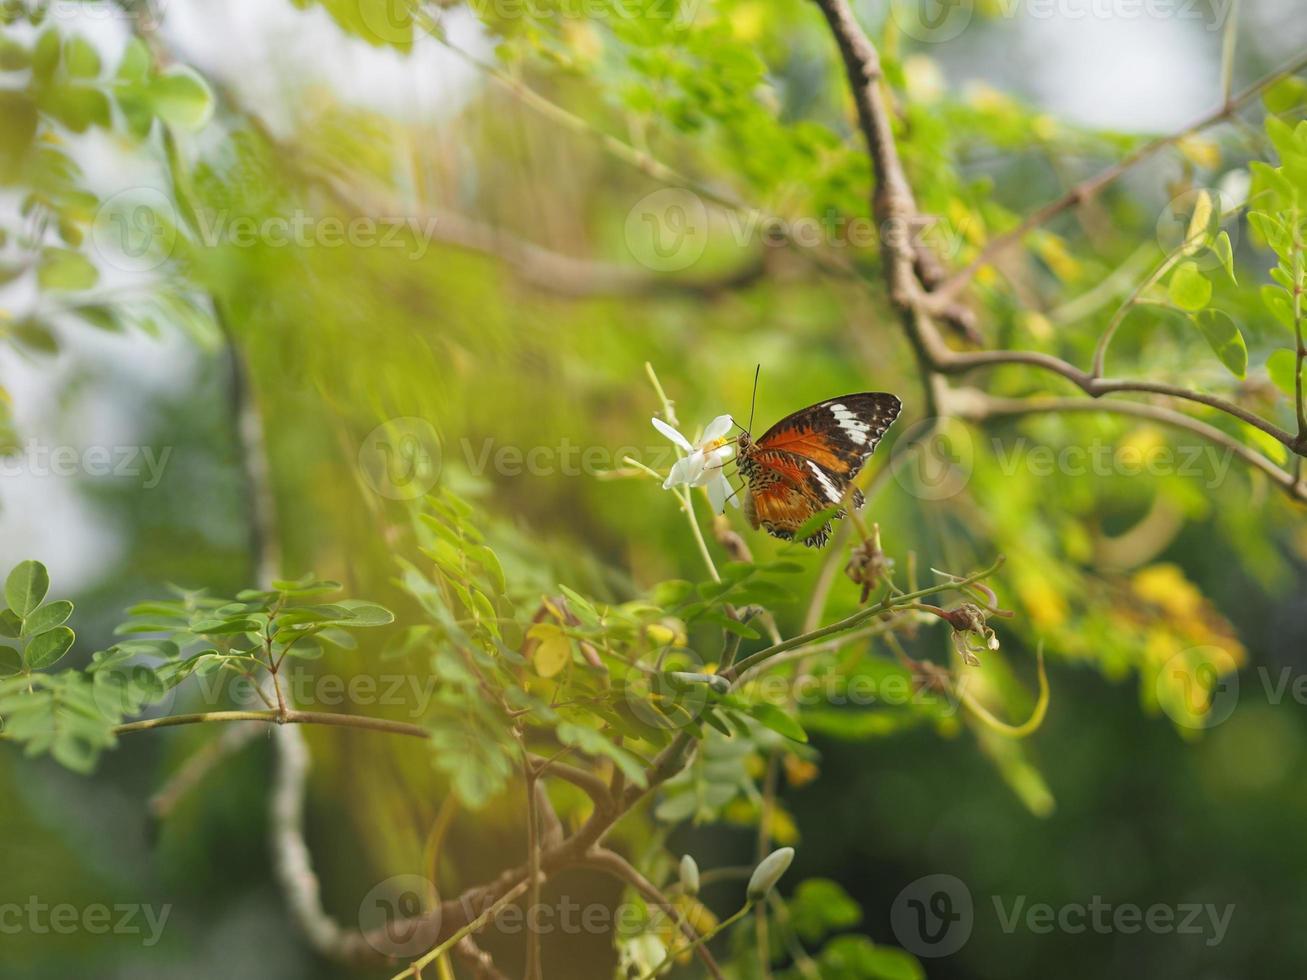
703,465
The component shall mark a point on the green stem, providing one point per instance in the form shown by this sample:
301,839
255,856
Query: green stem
275,717
415,968
1100,351
889,604
687,504
671,954
1028,727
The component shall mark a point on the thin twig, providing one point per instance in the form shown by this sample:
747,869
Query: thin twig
1086,189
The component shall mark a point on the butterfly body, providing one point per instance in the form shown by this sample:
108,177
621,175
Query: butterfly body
805,463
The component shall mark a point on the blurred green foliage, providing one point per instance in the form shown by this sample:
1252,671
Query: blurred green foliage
551,593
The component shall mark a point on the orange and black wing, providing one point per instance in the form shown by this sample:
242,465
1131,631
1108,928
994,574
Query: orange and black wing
804,463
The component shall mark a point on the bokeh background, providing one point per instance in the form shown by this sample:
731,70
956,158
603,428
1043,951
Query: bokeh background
494,351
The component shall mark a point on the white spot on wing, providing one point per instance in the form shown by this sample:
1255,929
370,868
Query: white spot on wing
852,426
832,494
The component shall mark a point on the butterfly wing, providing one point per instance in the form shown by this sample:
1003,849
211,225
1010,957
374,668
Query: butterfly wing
803,464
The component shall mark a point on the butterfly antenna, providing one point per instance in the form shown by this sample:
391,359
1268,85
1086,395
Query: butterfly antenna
753,400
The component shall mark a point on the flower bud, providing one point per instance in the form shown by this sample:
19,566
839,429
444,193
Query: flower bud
689,876
768,873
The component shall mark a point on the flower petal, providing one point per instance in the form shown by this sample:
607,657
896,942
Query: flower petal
717,428
720,455
672,434
696,464
681,472
717,490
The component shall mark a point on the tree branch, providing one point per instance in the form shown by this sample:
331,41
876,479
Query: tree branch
895,208
1086,189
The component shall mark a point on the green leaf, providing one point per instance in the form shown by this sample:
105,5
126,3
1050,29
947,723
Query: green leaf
1189,288
11,661
45,55
1277,301
13,56
1269,227
1195,236
26,587
1225,338
778,721
1225,252
594,743
1285,95
77,106
10,624
49,647
366,613
858,958
220,627
1280,366
819,907
552,651
135,64
180,97
47,617
81,58
62,268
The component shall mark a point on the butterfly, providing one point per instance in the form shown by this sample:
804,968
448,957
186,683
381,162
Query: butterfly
804,463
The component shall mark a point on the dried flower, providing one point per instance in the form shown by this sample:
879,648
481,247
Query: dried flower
971,633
